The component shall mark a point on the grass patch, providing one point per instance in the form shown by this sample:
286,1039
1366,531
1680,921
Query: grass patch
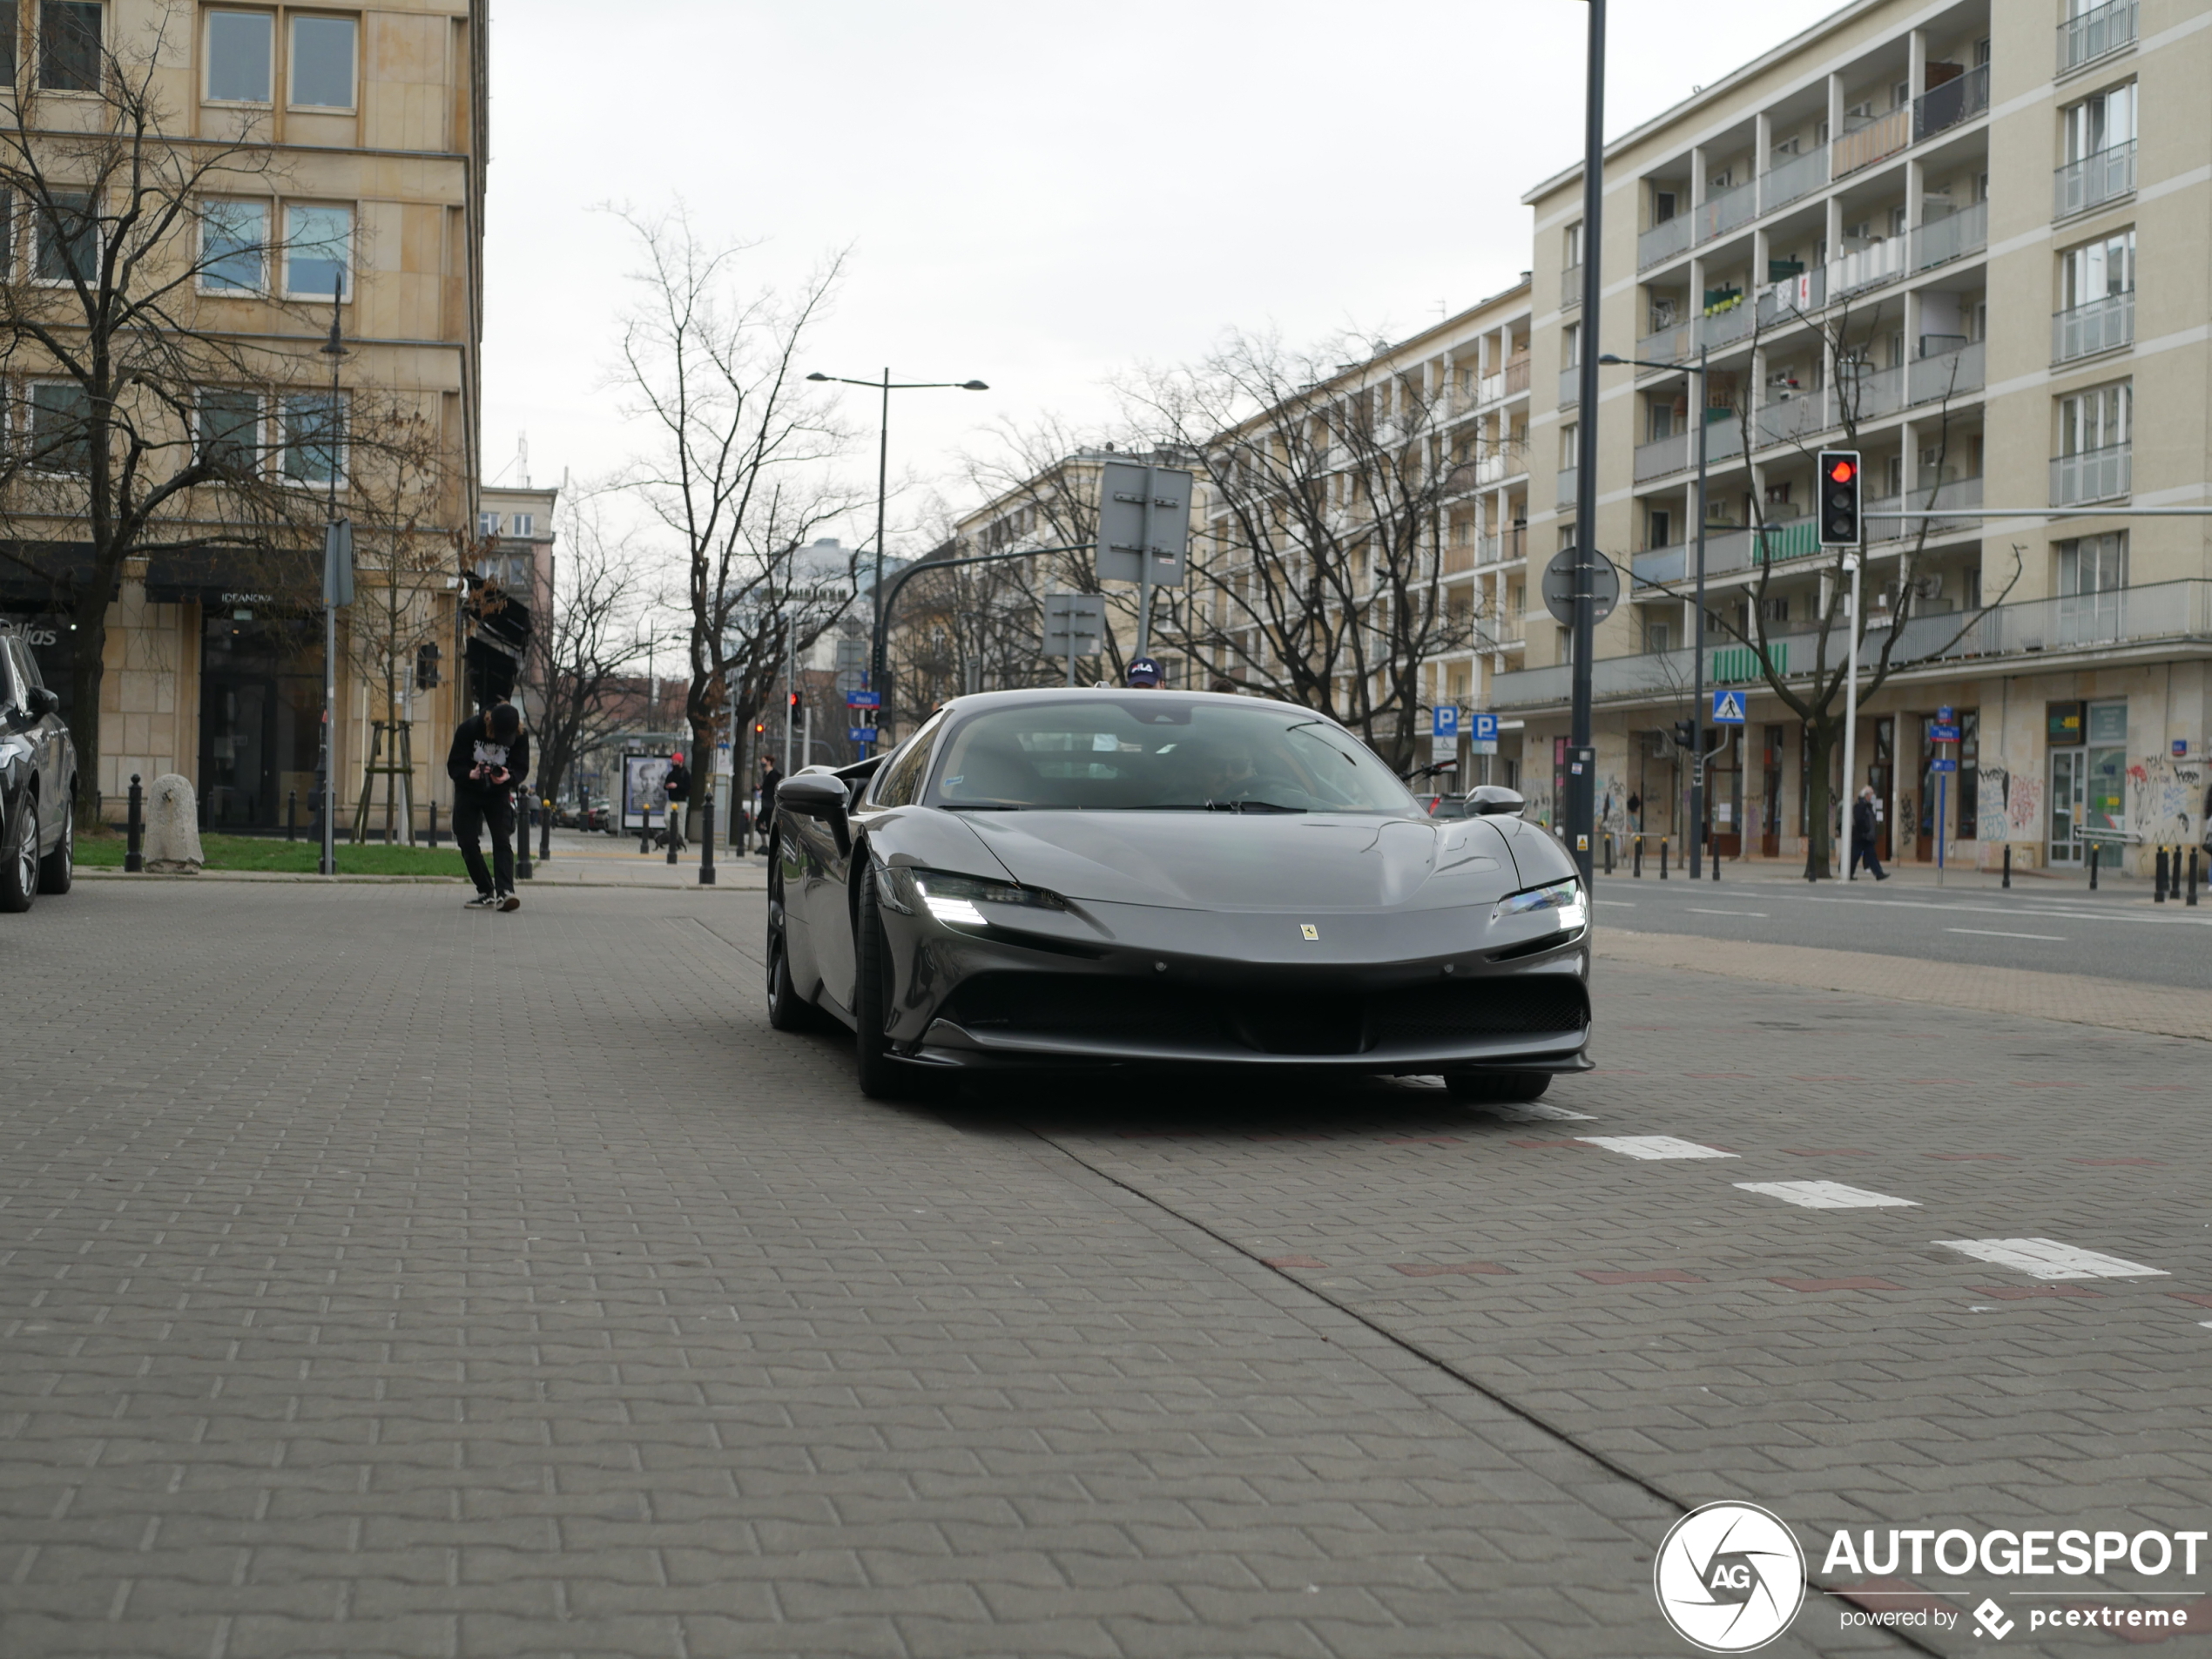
266,853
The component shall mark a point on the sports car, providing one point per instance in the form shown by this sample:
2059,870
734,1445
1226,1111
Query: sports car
1153,879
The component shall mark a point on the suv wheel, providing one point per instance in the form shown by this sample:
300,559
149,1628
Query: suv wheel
19,855
58,868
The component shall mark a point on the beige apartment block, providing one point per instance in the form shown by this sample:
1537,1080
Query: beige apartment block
2011,205
373,119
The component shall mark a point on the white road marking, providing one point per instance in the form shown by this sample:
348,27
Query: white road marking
2033,905
2048,1259
1998,933
1699,910
1826,1194
1625,904
1538,1112
1654,1146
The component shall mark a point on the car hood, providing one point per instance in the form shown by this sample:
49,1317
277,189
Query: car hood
1307,862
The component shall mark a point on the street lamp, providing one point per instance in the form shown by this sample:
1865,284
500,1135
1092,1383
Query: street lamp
1698,648
887,386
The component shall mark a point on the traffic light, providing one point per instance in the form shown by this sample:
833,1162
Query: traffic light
426,667
793,697
1686,733
1838,490
759,727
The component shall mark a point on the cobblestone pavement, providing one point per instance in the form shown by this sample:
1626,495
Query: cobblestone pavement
380,1278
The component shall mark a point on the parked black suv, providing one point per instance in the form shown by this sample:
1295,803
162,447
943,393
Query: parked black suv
37,784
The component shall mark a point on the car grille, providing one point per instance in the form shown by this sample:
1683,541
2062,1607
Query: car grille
1078,1006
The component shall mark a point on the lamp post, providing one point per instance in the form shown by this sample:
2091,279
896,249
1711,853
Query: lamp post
1697,626
1581,774
335,349
887,386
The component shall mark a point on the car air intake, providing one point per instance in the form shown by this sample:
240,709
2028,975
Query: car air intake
1531,1003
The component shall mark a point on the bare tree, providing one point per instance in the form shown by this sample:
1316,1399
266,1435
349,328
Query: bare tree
147,427
581,653
737,465
1320,578
1818,696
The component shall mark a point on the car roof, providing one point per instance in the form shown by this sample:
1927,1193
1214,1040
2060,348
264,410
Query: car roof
972,700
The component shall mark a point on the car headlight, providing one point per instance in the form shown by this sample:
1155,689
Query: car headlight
953,898
1565,897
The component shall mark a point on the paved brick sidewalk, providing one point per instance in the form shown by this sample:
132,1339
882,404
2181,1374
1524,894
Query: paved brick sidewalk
380,1278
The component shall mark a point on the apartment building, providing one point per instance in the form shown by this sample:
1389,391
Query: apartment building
365,203
1972,235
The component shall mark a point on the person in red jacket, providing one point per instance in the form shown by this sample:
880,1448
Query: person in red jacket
489,760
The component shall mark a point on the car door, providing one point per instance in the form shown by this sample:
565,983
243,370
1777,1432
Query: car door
15,697
47,739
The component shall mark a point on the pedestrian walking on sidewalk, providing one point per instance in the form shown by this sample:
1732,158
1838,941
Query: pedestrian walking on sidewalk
491,760
771,779
678,786
1861,837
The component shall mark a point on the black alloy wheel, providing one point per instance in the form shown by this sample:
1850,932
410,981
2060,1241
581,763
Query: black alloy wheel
1497,1088
787,1010
58,870
19,856
882,1077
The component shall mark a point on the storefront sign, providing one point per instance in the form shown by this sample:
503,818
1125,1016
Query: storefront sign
2062,724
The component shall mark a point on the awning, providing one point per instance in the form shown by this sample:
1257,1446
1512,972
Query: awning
231,578
42,576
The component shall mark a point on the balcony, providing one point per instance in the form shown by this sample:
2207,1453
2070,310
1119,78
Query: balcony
2102,325
1792,297
2094,179
1865,393
1570,387
1875,265
1788,181
1959,494
1570,287
1675,343
1661,456
1489,389
1725,324
1938,241
2093,474
1718,215
2091,36
1502,547
1878,140
1956,102
1792,419
1490,468
2163,613
1662,241
1569,479
1516,376
1946,374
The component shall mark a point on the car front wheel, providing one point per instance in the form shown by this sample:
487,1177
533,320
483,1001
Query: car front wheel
58,868
19,856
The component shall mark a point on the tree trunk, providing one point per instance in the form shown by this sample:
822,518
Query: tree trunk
1822,735
86,673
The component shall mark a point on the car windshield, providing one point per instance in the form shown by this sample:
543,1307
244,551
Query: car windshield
1156,752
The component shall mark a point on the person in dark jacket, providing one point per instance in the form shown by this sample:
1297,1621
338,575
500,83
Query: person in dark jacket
1862,836
678,786
770,780
489,760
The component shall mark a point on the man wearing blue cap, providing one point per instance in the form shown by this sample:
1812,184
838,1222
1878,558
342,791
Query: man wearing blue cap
1144,674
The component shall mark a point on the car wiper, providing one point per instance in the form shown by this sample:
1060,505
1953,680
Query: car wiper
1250,807
985,806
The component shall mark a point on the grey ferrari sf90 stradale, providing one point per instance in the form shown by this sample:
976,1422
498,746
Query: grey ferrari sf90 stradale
1149,879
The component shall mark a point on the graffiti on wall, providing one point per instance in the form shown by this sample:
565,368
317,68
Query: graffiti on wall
1993,808
2165,798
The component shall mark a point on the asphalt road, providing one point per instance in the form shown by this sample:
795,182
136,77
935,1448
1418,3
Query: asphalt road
2116,932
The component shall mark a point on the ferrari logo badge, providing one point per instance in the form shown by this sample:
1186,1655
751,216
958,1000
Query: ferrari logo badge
1308,930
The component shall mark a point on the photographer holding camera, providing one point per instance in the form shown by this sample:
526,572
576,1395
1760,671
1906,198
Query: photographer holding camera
490,759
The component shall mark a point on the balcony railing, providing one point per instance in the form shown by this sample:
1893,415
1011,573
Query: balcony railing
1675,343
1500,547
2162,612
1568,480
1570,387
1662,241
1869,394
2094,474
1490,388
1960,493
1661,455
1872,266
2100,326
1957,101
1489,469
1516,376
1938,241
1718,215
1727,326
1879,140
1787,181
2089,37
1946,374
1570,287
1792,419
1784,301
2100,178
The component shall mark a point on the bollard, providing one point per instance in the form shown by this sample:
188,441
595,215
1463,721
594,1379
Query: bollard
2093,867
2158,879
291,814
707,842
546,830
523,872
1608,852
1636,867
2192,898
133,857
673,821
1662,858
1713,848
645,831
2008,864
434,823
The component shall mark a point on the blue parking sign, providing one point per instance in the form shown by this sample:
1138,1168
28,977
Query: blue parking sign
1484,728
1446,722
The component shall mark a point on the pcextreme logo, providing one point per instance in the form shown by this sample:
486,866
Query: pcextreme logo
1729,1577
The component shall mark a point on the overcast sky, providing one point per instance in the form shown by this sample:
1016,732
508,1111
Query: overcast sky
1037,195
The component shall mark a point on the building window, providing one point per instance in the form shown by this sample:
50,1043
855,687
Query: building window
59,443
69,238
1571,447
2092,564
2101,122
317,242
1573,247
2098,270
314,437
233,240
68,46
230,432
525,524
240,48
2098,419
322,63
487,523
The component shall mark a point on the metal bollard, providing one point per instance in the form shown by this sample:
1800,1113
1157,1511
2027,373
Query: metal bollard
1662,858
291,814
675,818
434,823
134,857
1713,850
707,842
1636,867
1608,852
2008,864
546,830
2192,898
2158,880
2093,867
522,814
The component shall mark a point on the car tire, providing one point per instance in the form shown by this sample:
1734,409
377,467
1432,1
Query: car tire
58,868
882,1077
19,856
787,1010
1497,1088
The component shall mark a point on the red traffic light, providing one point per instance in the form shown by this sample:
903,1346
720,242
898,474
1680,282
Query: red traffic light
1843,470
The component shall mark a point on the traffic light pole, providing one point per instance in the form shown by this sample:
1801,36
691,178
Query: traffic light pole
1580,816
1697,636
1840,480
1852,562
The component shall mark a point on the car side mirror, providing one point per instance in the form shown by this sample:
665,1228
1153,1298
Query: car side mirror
820,795
1485,800
42,702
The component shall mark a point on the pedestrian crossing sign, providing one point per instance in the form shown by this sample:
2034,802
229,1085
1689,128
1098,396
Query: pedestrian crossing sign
1728,708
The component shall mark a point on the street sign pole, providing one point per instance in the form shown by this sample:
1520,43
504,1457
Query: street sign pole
1581,769
1144,570
1697,623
